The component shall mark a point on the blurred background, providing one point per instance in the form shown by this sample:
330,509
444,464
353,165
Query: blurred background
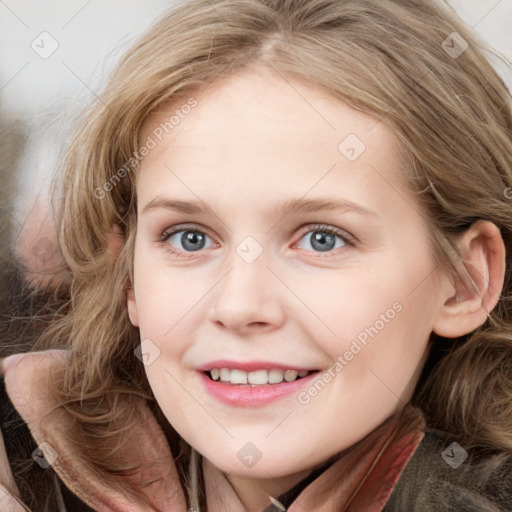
55,56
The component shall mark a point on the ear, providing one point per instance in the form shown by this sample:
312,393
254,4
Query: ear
131,303
469,301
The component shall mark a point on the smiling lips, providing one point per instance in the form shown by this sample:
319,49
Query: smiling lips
253,395
252,384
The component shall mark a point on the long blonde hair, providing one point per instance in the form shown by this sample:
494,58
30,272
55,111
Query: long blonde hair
388,58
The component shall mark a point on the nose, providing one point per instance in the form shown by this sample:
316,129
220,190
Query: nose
248,299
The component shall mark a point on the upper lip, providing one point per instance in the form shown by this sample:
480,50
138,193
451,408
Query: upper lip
250,366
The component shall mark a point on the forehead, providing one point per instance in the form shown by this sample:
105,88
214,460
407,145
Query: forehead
257,131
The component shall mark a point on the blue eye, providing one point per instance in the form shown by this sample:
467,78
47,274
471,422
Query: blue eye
324,239
191,240
181,240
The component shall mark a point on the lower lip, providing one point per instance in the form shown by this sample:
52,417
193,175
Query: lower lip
245,395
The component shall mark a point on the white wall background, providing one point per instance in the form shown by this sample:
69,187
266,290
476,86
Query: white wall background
87,30
91,35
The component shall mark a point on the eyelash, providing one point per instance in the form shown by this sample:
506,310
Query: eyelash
347,239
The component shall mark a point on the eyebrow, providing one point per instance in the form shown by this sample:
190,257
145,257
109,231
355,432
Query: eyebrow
291,206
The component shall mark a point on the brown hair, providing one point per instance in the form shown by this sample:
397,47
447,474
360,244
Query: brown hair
451,113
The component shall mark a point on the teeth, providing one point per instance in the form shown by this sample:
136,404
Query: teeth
275,376
290,375
238,377
256,378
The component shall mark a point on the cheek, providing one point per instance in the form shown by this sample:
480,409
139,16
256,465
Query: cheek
168,299
376,319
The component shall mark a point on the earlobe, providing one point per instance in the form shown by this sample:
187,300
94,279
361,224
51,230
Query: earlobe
132,307
470,301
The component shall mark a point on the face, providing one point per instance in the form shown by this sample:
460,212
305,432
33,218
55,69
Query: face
275,236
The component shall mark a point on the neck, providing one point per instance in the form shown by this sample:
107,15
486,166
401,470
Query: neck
244,494
254,494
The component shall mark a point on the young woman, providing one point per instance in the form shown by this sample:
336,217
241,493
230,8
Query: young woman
287,228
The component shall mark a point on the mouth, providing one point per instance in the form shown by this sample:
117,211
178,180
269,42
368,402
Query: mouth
257,385
261,377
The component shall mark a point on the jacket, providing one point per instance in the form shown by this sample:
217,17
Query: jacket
393,469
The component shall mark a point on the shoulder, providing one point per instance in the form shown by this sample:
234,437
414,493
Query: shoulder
443,476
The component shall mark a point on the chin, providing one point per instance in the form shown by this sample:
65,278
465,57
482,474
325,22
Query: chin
263,468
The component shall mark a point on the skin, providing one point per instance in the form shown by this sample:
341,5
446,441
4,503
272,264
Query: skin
249,145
